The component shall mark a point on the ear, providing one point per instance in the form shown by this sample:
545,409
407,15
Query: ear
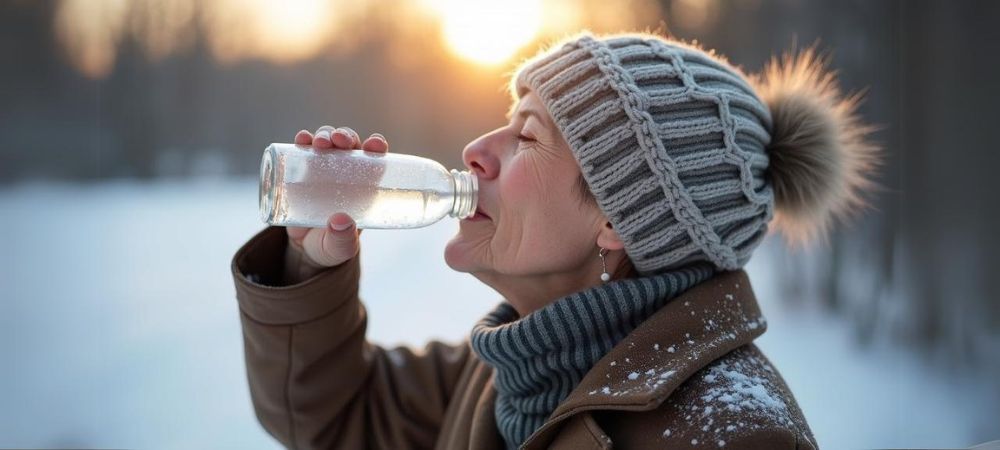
608,238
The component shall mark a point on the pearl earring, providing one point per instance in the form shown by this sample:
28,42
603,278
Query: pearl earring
605,276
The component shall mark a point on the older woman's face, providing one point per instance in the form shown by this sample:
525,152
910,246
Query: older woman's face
533,219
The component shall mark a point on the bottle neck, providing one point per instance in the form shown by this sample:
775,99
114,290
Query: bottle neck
466,194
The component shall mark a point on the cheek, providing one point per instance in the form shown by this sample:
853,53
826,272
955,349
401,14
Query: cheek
525,201
517,184
545,227
541,190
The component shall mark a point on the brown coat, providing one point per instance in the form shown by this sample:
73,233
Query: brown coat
687,377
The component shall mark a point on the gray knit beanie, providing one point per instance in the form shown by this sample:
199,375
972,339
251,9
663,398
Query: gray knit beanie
684,156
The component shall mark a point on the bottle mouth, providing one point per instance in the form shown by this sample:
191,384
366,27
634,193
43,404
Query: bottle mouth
466,194
266,193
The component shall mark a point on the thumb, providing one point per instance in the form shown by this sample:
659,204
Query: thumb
337,243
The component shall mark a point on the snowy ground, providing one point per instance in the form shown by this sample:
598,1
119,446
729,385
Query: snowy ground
119,327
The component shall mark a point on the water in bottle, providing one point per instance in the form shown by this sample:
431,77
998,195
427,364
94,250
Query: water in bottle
302,187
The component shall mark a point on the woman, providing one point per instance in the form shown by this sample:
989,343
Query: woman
633,181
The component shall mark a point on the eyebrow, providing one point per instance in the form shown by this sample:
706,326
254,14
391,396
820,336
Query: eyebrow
524,113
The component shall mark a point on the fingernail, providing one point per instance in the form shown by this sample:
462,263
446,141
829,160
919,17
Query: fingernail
378,135
341,226
323,134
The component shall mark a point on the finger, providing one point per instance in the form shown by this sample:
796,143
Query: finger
338,242
303,138
346,138
375,143
329,128
340,222
322,139
355,137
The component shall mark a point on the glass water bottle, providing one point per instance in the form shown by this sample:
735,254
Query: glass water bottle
303,187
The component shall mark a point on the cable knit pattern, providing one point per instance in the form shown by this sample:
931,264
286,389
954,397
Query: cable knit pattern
670,140
540,359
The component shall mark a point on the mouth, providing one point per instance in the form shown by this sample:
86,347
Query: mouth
479,216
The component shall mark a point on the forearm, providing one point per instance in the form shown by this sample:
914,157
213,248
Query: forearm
304,338
308,381
314,380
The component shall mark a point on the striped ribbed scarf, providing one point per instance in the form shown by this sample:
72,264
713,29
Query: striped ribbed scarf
540,358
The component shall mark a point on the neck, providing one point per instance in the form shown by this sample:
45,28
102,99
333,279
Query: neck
528,293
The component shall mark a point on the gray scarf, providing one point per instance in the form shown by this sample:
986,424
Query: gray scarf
540,358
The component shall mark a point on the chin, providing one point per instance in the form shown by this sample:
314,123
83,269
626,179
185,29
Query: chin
455,256
462,255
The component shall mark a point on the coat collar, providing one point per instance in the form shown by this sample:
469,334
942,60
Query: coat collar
685,335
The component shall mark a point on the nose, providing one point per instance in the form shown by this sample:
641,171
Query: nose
481,155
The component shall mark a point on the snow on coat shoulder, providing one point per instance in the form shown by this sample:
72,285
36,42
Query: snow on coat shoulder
737,401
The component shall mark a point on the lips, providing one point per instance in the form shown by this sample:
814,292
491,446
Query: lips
479,215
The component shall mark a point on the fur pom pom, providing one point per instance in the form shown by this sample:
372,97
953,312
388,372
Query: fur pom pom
820,159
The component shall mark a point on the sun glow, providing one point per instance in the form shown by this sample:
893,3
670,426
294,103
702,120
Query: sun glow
485,32
284,32
488,32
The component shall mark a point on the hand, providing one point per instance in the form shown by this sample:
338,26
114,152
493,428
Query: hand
338,242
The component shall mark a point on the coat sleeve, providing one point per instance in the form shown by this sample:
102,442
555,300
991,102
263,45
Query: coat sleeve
315,381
